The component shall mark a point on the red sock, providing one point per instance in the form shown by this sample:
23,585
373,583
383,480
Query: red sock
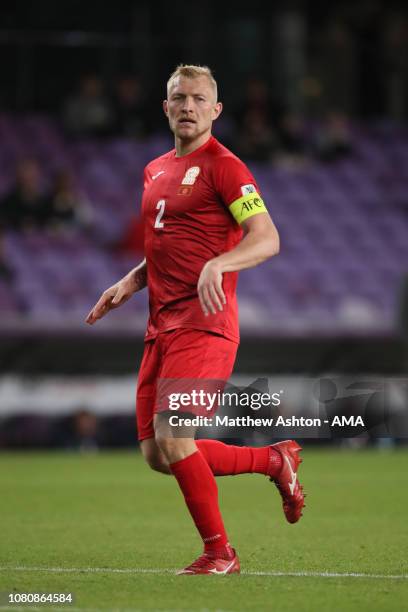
228,460
200,492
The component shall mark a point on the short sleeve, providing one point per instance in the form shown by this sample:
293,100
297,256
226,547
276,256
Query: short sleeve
237,188
231,176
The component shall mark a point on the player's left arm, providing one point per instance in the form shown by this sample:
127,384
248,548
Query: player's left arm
260,242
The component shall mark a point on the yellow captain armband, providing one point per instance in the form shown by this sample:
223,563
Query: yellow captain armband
247,206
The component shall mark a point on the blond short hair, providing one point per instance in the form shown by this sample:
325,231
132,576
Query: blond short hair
193,72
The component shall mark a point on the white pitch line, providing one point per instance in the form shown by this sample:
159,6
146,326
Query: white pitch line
69,608
164,571
329,575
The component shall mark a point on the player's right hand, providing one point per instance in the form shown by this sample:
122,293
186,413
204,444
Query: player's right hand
112,298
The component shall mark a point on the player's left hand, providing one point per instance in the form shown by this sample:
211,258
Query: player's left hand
209,287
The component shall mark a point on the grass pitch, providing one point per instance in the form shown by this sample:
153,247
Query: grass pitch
109,530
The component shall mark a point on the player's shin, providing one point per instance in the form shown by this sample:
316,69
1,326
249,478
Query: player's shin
199,488
228,460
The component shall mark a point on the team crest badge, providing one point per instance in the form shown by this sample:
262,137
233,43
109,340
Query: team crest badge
190,176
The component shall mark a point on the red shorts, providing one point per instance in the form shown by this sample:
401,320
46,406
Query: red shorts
179,354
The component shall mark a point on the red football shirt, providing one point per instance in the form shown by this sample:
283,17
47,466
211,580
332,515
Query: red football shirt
186,223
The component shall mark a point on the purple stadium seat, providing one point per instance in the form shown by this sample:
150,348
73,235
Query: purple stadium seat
344,231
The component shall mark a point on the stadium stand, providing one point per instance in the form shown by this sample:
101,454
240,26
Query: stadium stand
337,276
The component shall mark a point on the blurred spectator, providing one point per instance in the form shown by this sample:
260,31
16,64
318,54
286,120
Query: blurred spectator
256,140
129,108
291,139
291,134
334,139
257,98
89,113
255,119
82,432
66,209
6,273
24,207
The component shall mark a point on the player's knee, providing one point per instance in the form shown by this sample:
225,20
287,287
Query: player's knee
174,449
156,464
164,442
155,459
169,447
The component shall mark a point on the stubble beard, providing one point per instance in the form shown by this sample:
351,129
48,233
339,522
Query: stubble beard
186,138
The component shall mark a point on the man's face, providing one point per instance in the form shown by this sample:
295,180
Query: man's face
191,107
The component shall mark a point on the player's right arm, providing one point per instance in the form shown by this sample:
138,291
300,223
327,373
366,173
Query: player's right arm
119,293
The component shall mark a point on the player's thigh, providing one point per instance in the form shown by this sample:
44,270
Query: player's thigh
191,353
193,361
